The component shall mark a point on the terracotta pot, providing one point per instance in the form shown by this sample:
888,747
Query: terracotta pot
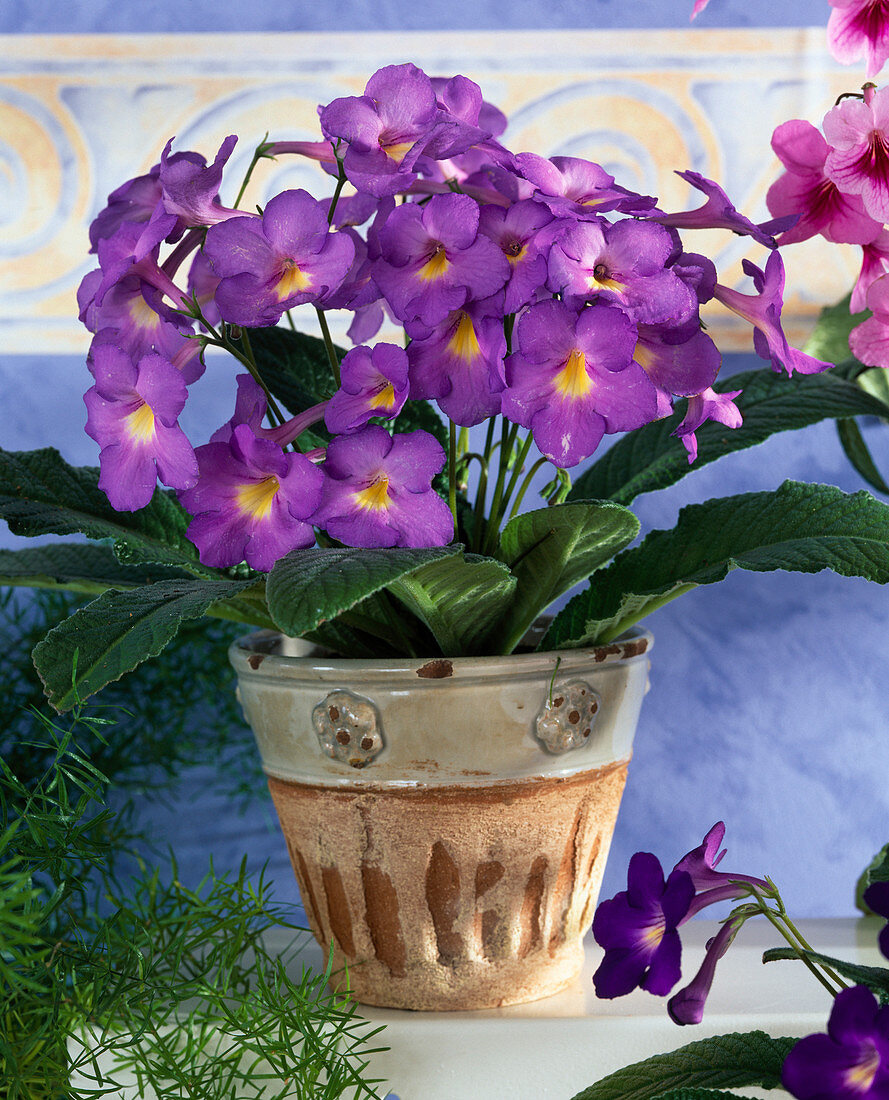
447,820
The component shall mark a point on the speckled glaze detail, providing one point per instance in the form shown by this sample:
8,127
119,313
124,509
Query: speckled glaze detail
568,716
348,728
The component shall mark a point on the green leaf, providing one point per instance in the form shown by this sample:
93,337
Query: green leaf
651,458
295,367
699,1094
40,494
858,454
875,382
460,598
119,630
830,337
798,527
723,1062
77,567
551,549
308,587
876,871
876,978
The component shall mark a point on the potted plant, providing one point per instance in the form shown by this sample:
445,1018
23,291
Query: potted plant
367,505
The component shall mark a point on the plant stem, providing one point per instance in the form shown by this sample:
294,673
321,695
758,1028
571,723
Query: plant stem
478,522
341,179
274,410
641,612
452,473
328,343
258,154
783,925
526,484
507,442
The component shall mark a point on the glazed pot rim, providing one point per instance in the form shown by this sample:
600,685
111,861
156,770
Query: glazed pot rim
631,646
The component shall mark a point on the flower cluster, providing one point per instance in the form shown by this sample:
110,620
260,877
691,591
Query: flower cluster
538,290
638,930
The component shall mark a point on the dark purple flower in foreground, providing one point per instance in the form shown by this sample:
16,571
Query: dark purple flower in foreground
850,1062
638,930
373,382
876,897
682,361
133,411
763,311
378,490
573,379
267,265
433,259
687,1006
859,28
252,503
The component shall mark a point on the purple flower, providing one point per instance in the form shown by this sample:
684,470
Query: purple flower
133,201
124,254
459,364
699,7
687,1006
763,311
573,379
378,490
859,28
713,885
516,231
433,259
876,897
623,263
637,929
578,188
267,265
682,360
133,411
718,212
707,405
252,503
858,162
190,187
373,382
850,1062
805,189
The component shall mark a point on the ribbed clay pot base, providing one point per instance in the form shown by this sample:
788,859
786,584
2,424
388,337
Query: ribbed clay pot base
452,897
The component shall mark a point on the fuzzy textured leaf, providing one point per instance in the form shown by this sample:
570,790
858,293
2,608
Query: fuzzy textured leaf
118,631
295,367
699,1094
40,494
723,1062
77,567
552,549
460,598
652,458
798,527
859,455
876,978
308,587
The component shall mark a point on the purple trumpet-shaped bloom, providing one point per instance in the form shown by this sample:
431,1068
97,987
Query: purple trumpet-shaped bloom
869,341
517,232
250,409
718,212
637,929
805,190
378,490
373,382
851,1061
687,1006
859,28
123,255
252,502
133,201
433,259
707,405
682,361
459,364
133,412
622,263
858,162
713,885
191,191
876,897
573,379
573,187
763,311
267,265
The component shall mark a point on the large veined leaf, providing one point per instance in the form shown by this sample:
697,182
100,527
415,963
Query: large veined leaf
308,587
118,631
460,598
798,527
876,978
88,568
859,455
40,494
723,1062
652,458
551,549
830,337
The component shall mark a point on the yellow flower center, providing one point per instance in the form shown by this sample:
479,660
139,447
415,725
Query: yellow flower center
435,266
142,315
654,935
861,1077
140,424
383,398
601,279
573,379
515,251
255,497
398,150
464,342
644,356
375,496
292,281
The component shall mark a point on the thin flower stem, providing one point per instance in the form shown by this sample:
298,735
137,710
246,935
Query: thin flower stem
481,493
785,927
507,443
222,341
274,409
516,472
258,154
341,179
452,474
526,484
328,343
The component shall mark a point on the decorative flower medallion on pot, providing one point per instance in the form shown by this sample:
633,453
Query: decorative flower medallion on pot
447,820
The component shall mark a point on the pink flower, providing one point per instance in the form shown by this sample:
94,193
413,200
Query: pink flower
858,162
699,7
859,28
869,341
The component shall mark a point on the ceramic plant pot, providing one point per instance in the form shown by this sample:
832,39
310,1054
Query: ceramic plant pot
447,820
